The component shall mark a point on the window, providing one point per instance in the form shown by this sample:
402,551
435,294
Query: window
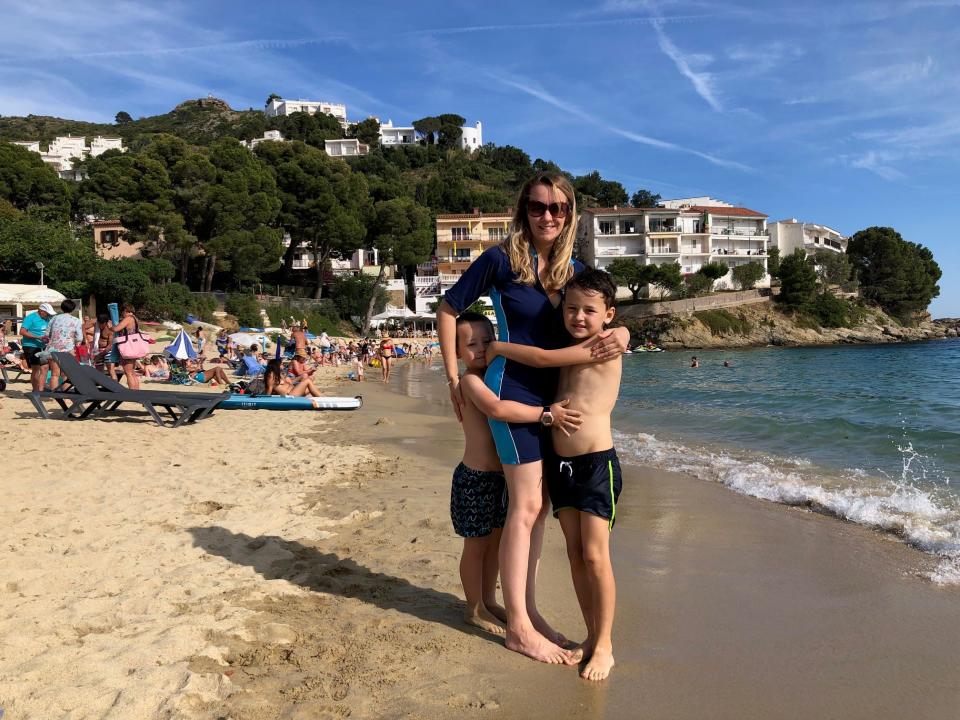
459,234
463,253
495,234
629,226
606,227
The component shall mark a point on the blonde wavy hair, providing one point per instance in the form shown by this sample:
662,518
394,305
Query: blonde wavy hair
519,239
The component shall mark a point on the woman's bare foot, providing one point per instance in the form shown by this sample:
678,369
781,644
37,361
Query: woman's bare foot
599,664
485,621
545,629
536,646
498,611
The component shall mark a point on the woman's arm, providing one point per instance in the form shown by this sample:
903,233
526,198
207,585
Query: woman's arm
447,334
568,421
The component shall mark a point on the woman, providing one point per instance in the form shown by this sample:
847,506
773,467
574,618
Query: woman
128,322
386,357
201,341
276,384
105,359
157,370
524,276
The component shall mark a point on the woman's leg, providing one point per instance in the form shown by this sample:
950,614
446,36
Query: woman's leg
129,371
388,366
524,487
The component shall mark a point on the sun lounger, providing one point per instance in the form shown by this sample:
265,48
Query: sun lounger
92,392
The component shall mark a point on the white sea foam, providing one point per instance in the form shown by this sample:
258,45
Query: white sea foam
899,507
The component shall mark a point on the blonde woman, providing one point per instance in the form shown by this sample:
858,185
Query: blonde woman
524,277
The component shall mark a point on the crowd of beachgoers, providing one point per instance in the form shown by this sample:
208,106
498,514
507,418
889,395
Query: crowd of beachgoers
220,361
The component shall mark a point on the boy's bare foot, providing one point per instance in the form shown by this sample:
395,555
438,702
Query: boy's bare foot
498,611
536,646
599,665
485,621
579,652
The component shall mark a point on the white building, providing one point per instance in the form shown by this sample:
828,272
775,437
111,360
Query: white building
788,235
271,135
279,106
99,145
472,137
31,145
691,236
62,151
701,201
347,147
390,135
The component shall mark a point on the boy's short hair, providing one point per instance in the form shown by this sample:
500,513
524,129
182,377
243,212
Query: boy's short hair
596,281
474,317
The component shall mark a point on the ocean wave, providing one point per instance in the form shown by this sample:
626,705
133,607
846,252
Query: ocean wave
920,517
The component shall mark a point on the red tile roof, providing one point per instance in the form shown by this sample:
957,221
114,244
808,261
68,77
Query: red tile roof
726,211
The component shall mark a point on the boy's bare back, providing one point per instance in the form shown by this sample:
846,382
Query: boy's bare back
593,389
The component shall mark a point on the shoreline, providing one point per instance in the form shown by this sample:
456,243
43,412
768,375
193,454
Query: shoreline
310,571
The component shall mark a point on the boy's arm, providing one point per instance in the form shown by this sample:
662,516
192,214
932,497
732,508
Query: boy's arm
474,389
538,357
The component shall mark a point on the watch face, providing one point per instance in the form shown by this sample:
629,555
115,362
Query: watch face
547,419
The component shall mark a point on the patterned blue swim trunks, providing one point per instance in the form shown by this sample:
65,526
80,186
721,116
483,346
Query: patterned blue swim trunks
478,501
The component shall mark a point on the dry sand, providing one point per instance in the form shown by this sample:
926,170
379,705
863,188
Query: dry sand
301,565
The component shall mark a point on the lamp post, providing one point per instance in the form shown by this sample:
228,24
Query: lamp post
40,268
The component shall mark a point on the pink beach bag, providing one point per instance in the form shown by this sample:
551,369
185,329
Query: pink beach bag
133,346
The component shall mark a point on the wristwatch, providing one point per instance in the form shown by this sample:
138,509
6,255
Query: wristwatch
546,417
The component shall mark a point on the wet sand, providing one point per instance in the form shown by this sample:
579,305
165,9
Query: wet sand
303,566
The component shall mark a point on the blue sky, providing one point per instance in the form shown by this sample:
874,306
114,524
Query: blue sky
842,113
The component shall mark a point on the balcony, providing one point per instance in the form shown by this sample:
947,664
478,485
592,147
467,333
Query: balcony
421,281
739,251
664,230
660,251
453,265
445,237
740,232
447,279
620,251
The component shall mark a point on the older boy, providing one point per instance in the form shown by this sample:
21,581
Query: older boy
478,505
584,479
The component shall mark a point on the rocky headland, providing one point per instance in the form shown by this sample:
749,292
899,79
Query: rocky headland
763,324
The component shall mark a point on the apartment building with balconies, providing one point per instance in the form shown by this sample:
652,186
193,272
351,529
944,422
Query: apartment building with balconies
791,234
461,238
689,235
65,149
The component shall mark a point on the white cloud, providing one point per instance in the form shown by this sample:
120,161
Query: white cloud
877,163
528,88
702,81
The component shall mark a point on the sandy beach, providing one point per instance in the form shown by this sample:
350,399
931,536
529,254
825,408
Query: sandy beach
265,565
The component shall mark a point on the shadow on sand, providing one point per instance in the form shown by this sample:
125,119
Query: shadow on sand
278,559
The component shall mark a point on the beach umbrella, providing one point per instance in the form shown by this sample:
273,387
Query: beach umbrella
181,348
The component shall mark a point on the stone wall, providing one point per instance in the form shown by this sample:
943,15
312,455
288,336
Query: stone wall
711,302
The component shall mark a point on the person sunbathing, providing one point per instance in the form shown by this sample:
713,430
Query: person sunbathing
277,384
201,374
157,370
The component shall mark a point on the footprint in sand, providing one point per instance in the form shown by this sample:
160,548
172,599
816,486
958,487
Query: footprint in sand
205,507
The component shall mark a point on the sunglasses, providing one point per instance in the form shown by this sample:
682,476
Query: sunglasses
538,209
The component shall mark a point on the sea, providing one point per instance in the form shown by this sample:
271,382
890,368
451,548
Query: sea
869,434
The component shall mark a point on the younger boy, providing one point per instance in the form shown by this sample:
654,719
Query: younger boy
584,477
478,497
